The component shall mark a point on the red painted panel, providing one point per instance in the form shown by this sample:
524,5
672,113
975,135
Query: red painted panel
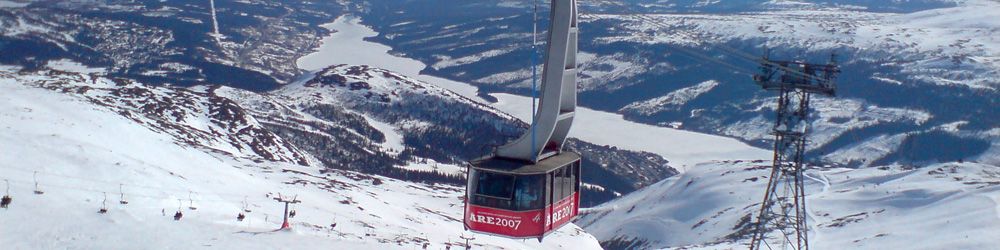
521,224
564,211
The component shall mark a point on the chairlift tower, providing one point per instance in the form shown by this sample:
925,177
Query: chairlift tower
282,199
784,205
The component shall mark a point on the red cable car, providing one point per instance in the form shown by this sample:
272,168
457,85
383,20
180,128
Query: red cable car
522,200
530,187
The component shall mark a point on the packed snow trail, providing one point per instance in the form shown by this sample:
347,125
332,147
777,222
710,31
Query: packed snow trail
816,220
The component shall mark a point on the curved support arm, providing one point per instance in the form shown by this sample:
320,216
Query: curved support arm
557,104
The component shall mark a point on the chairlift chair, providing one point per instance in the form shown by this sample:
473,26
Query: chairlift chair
240,216
6,200
178,214
35,177
246,205
104,205
191,202
122,199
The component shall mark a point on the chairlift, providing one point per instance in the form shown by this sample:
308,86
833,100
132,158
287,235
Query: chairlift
178,214
6,197
246,205
35,176
241,216
104,205
122,199
191,202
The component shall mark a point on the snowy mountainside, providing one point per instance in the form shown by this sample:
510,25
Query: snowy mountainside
765,5
672,101
82,152
378,122
907,67
712,206
194,116
424,123
949,46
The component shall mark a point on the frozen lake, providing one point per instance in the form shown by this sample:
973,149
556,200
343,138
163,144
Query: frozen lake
682,148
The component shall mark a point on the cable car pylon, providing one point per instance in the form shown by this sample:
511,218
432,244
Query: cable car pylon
784,204
530,186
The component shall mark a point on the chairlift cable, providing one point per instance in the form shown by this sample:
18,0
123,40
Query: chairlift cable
154,197
110,182
88,189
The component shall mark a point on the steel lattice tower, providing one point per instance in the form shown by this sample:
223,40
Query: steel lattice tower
784,205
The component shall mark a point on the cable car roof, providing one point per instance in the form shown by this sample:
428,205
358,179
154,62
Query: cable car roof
519,167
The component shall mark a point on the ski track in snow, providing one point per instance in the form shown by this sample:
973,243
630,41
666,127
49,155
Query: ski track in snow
816,220
682,148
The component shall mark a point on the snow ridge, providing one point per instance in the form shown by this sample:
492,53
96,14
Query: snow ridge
671,101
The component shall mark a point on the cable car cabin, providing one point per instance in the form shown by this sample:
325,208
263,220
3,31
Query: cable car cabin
518,199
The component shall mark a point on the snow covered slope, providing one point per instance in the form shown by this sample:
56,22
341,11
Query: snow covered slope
949,46
427,127
943,206
83,152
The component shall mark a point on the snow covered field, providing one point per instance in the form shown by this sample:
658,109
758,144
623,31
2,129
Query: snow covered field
83,153
943,206
946,46
682,148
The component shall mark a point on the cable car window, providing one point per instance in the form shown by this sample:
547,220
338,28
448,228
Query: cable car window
576,177
528,193
557,183
570,179
495,185
567,183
